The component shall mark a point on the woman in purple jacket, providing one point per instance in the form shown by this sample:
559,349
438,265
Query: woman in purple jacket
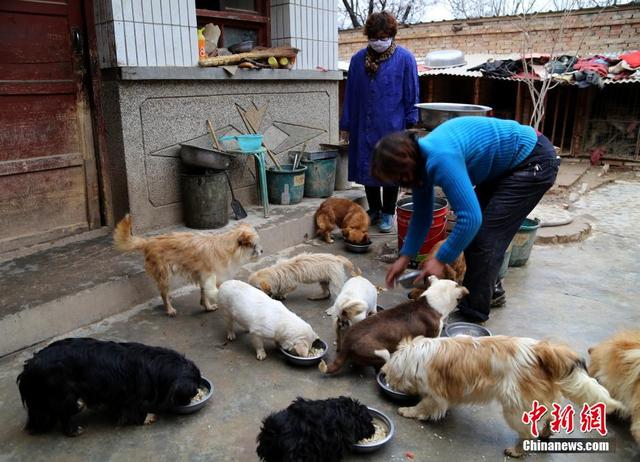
381,93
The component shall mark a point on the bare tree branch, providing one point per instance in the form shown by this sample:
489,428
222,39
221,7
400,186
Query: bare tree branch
352,14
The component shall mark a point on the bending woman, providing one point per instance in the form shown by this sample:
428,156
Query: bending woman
511,167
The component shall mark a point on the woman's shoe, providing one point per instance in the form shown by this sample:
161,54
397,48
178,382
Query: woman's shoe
386,223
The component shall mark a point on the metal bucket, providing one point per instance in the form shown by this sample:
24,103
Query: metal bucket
433,114
204,200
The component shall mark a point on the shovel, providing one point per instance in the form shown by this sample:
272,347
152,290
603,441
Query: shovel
238,210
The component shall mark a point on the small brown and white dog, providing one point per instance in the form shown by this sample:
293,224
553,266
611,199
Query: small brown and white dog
386,329
205,259
357,300
264,318
514,371
455,271
347,215
331,271
615,363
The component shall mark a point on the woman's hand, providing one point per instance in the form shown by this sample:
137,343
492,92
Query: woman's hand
396,270
344,136
431,266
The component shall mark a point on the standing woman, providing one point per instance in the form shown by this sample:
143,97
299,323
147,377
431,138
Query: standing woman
381,93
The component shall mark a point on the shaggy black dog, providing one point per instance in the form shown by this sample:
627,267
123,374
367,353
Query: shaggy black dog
314,431
128,379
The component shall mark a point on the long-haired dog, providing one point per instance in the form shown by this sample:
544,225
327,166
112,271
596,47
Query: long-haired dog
357,300
454,271
514,371
331,271
347,215
205,259
615,363
314,431
386,329
264,318
130,380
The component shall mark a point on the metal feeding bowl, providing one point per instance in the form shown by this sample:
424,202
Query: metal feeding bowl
441,59
456,329
194,407
406,279
357,248
374,446
390,392
433,114
309,360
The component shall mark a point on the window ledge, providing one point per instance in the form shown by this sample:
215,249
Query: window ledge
216,73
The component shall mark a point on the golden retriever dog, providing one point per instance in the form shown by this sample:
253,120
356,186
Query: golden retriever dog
331,271
513,371
455,272
205,259
347,215
615,363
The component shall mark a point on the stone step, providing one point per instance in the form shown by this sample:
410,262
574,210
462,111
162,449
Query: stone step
56,290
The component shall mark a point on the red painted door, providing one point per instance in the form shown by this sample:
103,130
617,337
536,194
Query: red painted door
48,179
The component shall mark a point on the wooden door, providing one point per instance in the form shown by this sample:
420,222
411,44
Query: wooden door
48,179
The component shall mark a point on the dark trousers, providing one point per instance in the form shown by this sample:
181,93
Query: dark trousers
505,203
389,199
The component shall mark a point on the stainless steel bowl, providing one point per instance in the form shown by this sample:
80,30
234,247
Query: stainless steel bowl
441,59
406,279
357,248
456,329
309,360
391,429
433,114
194,407
390,392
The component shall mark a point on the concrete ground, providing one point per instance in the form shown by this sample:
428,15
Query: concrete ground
578,293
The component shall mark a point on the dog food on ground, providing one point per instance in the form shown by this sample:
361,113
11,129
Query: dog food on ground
379,434
313,351
202,392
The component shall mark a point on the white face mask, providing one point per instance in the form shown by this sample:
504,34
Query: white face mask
380,46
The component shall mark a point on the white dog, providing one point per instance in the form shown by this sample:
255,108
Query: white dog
514,371
331,271
357,300
264,318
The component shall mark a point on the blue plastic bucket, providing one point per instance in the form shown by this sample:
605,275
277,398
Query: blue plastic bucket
285,186
523,242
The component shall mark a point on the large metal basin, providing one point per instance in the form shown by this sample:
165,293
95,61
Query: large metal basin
433,114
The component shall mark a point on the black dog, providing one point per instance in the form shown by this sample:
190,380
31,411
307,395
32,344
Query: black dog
314,431
130,380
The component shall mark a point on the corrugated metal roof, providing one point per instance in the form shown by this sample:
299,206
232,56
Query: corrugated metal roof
476,59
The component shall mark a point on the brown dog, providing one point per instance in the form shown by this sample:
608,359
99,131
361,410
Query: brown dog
454,271
386,329
348,215
206,259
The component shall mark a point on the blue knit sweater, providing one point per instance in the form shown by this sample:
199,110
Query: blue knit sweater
461,153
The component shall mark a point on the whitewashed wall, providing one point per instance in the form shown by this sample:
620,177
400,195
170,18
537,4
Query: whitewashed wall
146,33
164,32
309,25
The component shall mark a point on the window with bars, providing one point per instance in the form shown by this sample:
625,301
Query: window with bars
239,20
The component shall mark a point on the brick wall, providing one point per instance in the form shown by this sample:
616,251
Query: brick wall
614,30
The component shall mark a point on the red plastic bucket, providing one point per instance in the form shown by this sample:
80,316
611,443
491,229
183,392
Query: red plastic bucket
404,210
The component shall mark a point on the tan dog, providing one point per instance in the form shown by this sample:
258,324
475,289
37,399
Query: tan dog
205,259
615,363
348,215
514,371
330,271
455,272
